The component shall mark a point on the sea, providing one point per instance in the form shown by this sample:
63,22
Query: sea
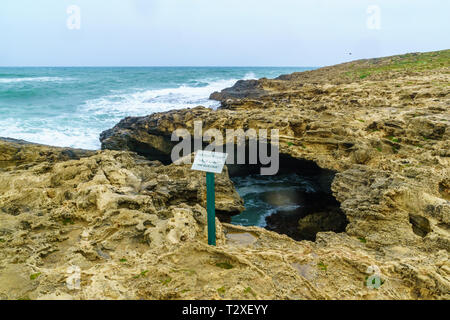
71,106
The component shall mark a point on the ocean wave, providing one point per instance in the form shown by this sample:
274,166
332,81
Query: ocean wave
250,76
80,124
51,134
144,102
29,79
257,184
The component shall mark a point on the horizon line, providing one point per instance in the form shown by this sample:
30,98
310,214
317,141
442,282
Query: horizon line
193,66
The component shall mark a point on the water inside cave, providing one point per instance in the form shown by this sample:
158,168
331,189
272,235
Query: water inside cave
266,195
297,202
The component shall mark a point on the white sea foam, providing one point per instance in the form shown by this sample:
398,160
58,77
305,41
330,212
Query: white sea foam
82,129
250,76
36,79
51,134
144,102
251,185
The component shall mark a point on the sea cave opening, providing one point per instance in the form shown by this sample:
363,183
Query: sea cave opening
297,201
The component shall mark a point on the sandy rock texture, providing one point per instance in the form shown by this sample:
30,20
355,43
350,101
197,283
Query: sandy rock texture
118,225
382,124
112,207
15,152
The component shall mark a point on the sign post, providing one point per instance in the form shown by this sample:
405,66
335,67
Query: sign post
211,163
211,208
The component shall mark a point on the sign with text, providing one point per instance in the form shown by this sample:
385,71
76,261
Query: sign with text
209,161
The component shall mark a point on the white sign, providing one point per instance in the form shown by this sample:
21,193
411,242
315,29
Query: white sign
209,161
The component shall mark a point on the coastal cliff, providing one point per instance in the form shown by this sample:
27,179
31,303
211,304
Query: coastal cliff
135,226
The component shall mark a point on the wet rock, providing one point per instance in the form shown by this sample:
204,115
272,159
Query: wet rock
242,89
312,224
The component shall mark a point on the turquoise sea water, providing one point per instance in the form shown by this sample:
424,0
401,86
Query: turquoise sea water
266,195
70,106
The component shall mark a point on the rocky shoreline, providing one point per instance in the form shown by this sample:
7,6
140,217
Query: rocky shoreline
135,226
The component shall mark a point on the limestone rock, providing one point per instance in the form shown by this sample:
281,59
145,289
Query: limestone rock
15,152
314,223
382,124
115,225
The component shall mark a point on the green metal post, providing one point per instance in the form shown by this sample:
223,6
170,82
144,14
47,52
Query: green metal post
211,208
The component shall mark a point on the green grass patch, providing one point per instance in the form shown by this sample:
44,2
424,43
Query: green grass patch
34,276
67,221
142,274
364,75
393,139
188,271
362,239
166,281
224,265
249,290
322,266
221,291
123,260
403,63
290,144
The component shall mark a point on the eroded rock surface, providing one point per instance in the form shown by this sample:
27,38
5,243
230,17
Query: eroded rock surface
15,152
128,227
87,213
382,124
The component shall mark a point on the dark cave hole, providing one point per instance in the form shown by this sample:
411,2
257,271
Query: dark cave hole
297,201
420,225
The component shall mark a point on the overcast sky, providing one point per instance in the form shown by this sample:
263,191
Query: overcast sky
217,32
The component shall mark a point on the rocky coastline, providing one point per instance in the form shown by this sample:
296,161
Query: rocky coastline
134,225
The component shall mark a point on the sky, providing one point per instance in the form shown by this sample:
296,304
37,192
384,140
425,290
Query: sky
217,32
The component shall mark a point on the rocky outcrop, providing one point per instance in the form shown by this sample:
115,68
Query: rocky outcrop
332,220
117,226
15,152
242,89
382,124
387,137
55,215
